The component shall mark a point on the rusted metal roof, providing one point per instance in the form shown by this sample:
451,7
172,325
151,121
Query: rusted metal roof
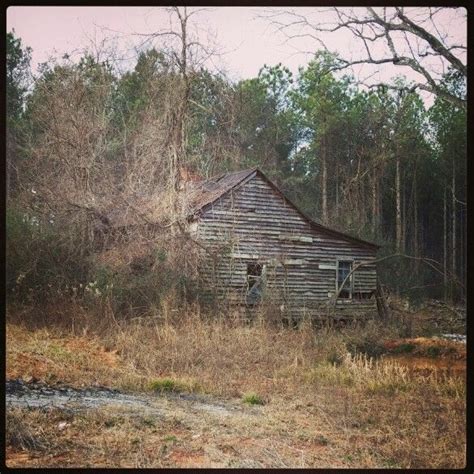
206,192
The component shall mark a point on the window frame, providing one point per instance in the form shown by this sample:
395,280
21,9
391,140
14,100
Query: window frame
259,280
350,284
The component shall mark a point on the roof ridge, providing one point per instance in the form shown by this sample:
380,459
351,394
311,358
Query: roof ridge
221,175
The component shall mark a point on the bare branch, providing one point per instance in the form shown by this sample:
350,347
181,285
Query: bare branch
375,27
432,41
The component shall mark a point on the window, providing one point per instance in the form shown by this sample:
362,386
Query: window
343,269
254,283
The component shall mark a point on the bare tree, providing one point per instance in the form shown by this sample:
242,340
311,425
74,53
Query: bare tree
65,176
410,37
184,49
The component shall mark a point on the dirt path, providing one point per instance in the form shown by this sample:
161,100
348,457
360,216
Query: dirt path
197,419
172,430
37,395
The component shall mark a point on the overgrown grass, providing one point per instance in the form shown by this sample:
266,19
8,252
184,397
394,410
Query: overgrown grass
383,376
364,373
304,376
23,435
433,351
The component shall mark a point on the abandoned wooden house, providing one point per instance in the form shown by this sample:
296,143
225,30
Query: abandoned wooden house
269,251
262,251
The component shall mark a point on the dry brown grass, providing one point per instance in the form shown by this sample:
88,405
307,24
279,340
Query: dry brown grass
52,357
323,406
99,438
24,433
227,360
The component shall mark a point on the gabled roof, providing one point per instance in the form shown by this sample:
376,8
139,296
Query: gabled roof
205,193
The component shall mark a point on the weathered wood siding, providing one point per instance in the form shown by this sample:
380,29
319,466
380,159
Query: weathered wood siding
253,223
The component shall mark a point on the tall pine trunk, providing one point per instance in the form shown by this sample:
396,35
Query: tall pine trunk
324,184
461,249
445,244
453,224
404,211
416,250
337,190
398,203
374,203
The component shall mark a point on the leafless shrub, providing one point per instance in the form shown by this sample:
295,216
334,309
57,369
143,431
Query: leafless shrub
21,434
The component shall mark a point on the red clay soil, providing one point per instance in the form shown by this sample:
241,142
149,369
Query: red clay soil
444,348
428,355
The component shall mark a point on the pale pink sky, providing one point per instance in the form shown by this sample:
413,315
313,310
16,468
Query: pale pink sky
247,40
55,30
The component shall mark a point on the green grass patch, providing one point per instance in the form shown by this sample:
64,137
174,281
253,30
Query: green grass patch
253,399
165,385
433,351
331,374
404,348
390,463
55,352
169,385
369,348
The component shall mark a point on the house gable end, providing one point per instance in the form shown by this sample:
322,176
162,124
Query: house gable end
258,182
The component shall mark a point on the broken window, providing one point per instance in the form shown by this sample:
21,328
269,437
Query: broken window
343,269
254,283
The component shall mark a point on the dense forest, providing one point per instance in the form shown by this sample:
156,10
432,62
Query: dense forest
82,137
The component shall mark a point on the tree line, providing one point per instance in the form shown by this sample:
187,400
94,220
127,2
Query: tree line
83,139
